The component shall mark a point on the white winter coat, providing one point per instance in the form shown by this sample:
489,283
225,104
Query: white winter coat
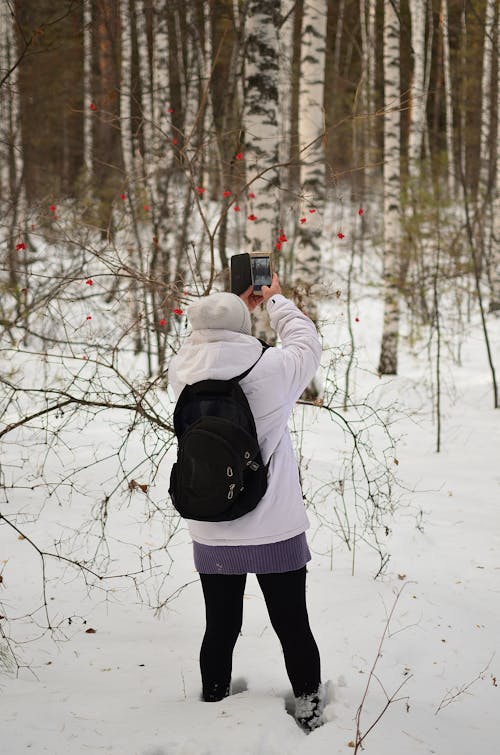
272,388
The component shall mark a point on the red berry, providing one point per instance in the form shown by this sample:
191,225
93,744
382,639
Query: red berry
92,106
252,217
123,196
162,322
239,156
277,246
89,282
312,210
89,317
177,311
251,195
340,235
52,208
236,208
303,220
226,194
20,246
360,211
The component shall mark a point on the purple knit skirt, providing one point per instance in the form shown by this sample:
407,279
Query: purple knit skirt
270,558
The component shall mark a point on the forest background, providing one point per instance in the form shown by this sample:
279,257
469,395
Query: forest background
141,145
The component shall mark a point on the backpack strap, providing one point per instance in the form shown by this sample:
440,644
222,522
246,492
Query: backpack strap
244,374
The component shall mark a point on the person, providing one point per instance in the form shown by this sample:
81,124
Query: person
269,541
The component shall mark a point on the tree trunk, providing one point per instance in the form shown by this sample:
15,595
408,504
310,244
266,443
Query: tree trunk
12,195
486,140
88,103
5,47
388,363
484,211
418,95
293,172
307,253
495,248
372,148
286,84
307,260
339,30
126,132
260,116
129,163
161,152
260,119
450,148
147,89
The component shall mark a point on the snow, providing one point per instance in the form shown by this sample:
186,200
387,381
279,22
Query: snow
133,686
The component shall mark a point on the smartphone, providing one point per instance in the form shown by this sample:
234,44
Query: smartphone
250,269
241,273
261,269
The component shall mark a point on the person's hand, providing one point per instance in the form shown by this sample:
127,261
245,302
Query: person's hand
251,300
274,288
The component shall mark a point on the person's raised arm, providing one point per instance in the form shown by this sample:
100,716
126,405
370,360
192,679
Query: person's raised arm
301,347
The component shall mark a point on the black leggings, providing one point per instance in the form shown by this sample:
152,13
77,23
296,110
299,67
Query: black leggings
285,596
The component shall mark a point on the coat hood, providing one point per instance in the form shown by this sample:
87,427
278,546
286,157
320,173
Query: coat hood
214,354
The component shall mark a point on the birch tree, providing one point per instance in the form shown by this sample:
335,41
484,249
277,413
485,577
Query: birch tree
12,196
87,91
4,104
134,250
289,10
260,118
147,90
161,156
495,256
484,195
418,94
307,257
388,362
486,100
126,133
450,146
367,13
260,123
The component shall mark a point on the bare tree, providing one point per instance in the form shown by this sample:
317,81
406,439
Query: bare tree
484,211
495,257
418,93
388,363
307,257
450,143
367,14
88,103
260,120
260,117
12,194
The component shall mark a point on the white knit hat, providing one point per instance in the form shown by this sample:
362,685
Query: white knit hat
222,311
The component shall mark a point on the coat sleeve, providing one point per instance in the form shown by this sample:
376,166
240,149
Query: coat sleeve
301,347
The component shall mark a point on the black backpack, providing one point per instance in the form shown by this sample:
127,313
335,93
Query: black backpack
219,474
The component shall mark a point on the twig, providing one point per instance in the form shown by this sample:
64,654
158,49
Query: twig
454,693
360,737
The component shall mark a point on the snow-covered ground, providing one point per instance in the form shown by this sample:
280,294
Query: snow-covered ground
132,686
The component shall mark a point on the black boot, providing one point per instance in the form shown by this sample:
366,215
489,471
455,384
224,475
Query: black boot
215,692
309,709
